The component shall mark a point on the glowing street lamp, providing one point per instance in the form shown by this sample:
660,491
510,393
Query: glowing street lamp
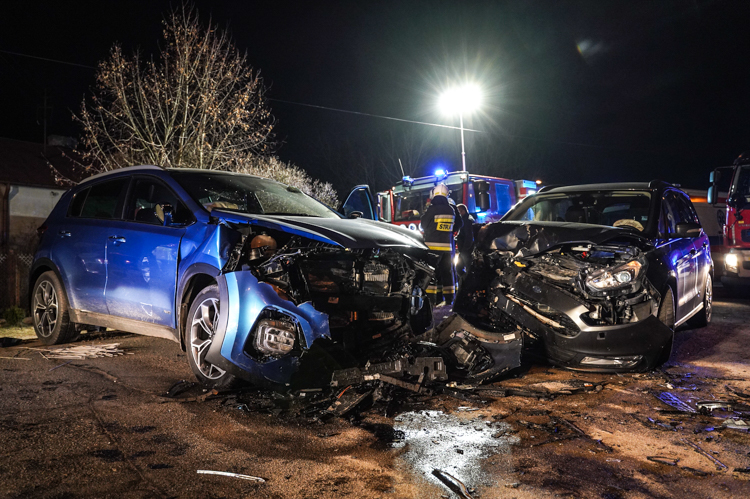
461,100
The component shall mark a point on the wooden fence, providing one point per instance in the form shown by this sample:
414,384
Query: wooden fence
14,279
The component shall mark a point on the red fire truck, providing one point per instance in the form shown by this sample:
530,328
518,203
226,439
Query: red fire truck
731,185
486,198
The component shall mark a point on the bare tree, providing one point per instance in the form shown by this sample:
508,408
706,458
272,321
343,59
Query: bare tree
199,105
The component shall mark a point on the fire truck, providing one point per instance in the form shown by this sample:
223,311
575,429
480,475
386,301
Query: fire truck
731,185
486,198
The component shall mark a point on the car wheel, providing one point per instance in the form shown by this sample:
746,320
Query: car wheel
50,311
203,319
666,316
702,318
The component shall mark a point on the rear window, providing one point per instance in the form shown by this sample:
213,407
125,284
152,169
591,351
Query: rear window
99,201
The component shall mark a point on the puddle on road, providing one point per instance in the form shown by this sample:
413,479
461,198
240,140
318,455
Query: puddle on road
456,445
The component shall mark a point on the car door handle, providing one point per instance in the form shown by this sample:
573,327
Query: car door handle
64,233
117,239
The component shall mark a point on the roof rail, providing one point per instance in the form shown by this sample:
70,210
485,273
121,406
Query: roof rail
110,172
549,187
657,183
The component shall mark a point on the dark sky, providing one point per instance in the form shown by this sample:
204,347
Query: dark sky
576,91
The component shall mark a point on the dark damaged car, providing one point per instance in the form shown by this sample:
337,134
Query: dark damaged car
244,272
596,277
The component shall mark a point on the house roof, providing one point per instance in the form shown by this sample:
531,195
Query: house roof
28,164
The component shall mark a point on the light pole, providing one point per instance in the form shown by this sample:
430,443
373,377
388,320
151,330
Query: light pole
461,100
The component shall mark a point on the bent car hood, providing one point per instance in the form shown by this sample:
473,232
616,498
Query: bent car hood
530,238
347,233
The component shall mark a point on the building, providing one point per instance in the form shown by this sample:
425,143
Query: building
29,188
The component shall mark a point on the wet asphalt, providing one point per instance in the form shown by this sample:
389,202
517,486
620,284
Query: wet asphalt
104,428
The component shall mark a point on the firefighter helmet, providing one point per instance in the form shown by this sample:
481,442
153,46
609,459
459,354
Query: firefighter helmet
440,190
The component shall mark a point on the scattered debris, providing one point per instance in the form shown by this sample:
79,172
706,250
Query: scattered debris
432,368
452,483
15,358
63,364
741,470
179,387
83,352
736,424
707,406
347,400
234,475
669,461
696,448
671,400
737,392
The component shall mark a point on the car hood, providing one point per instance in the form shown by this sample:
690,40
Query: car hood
348,233
530,238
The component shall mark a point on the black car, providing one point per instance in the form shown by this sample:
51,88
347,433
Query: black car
598,276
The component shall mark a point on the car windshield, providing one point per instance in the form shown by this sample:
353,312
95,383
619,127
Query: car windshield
613,208
247,194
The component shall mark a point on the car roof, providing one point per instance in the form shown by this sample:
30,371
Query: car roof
151,168
614,186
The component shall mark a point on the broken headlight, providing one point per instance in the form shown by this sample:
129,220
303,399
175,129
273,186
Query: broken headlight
614,278
376,278
274,337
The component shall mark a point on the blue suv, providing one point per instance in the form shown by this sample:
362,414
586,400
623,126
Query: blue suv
243,272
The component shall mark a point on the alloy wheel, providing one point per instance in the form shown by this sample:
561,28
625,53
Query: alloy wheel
45,308
202,330
708,298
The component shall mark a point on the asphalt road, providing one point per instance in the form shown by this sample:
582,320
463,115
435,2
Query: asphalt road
103,428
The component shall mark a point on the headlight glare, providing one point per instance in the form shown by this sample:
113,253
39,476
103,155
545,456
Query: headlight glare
614,278
732,262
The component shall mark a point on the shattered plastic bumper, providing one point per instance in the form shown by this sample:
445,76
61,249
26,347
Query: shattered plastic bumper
622,347
246,298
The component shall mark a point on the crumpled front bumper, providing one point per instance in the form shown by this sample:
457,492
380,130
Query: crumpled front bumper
634,346
243,298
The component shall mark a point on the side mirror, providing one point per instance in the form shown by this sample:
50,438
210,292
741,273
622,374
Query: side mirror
688,229
355,214
711,195
482,193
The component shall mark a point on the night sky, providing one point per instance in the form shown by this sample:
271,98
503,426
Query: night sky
575,91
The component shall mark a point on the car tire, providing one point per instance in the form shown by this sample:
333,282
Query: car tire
703,317
203,319
666,317
50,311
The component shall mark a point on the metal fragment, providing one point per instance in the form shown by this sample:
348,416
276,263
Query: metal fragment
452,483
233,475
696,448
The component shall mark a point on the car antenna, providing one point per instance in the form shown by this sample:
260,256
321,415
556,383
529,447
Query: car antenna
402,168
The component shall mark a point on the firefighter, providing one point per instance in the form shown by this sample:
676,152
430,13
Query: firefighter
439,223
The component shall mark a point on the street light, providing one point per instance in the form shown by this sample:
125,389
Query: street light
461,100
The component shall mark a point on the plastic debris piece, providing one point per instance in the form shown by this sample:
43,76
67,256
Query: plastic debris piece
233,475
706,406
452,483
671,400
736,424
669,461
347,400
741,470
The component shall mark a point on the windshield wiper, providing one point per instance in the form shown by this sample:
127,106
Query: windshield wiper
290,214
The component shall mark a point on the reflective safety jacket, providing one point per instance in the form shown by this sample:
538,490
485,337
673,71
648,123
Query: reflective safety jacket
438,223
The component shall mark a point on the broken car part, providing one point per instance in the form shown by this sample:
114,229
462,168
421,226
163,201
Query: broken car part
588,277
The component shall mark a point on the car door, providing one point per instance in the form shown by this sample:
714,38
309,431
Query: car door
701,252
80,248
682,255
143,254
360,200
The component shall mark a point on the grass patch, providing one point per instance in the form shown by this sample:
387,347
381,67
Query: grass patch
21,331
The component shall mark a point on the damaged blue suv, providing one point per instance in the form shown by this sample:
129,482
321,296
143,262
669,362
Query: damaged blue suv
243,272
